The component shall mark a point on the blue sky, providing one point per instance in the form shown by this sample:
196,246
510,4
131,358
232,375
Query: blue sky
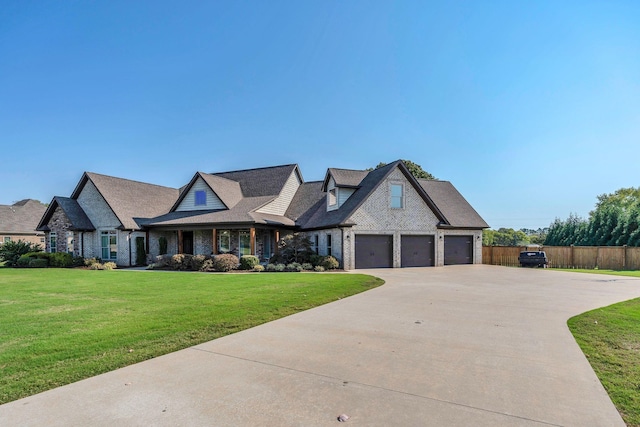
531,109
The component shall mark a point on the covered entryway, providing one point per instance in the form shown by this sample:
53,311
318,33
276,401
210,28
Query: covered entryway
374,251
417,251
458,250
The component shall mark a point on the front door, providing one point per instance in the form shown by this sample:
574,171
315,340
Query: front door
187,242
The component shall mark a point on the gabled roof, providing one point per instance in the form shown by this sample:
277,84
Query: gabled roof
259,182
344,177
443,199
318,217
22,217
73,211
130,199
227,190
455,208
242,212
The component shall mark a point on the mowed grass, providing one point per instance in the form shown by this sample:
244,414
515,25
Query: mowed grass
610,338
629,273
58,326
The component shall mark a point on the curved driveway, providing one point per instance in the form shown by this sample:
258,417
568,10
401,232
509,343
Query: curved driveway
447,346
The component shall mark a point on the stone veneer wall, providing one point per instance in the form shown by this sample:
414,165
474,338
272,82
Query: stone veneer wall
60,224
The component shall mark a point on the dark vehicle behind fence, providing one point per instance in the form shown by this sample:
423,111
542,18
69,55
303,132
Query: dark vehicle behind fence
533,259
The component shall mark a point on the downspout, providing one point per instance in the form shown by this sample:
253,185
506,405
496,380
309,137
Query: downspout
342,244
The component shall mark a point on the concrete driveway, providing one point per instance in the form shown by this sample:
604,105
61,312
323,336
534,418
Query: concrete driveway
448,346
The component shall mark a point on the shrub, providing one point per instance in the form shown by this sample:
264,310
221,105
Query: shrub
271,267
96,266
88,262
315,259
141,252
187,260
225,262
318,268
176,261
294,266
162,243
60,260
258,268
208,265
247,262
329,263
197,261
10,251
109,265
294,247
307,266
280,267
38,263
162,261
24,261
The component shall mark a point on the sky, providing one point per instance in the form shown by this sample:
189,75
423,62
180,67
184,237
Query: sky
530,108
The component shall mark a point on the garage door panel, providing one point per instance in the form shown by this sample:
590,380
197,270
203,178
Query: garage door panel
417,251
374,251
458,250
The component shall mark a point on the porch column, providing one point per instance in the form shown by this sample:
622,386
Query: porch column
275,248
180,242
214,236
252,235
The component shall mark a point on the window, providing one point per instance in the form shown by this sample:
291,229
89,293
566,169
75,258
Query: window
315,244
224,241
53,238
333,199
109,243
245,243
201,197
397,196
329,244
70,242
7,239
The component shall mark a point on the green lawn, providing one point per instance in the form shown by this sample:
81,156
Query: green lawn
610,338
58,326
630,273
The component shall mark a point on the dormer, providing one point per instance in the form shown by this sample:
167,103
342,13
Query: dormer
208,192
340,184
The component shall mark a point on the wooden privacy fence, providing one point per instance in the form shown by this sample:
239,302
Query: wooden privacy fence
604,257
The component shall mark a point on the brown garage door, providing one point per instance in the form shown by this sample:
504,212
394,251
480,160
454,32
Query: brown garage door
458,250
417,251
374,251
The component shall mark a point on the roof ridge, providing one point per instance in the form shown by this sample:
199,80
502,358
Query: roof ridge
130,180
253,169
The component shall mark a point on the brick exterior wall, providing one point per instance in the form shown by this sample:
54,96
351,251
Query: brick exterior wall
375,216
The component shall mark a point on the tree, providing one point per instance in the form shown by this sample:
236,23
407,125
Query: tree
10,251
294,247
415,169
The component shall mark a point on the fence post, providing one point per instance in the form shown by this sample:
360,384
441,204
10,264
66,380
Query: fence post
624,257
571,259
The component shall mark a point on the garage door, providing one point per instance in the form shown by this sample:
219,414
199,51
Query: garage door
374,251
458,250
417,251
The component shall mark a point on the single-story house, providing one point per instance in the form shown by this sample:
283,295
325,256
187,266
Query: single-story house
365,219
20,220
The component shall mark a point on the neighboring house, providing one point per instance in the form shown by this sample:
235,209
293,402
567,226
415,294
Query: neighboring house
366,219
20,220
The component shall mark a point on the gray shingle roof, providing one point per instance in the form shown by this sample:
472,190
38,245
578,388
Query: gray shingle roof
444,200
73,211
130,199
455,208
262,181
241,213
22,217
345,177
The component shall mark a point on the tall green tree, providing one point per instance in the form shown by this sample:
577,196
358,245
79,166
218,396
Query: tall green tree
415,169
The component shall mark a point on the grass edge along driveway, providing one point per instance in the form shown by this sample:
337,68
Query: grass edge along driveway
610,339
60,326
